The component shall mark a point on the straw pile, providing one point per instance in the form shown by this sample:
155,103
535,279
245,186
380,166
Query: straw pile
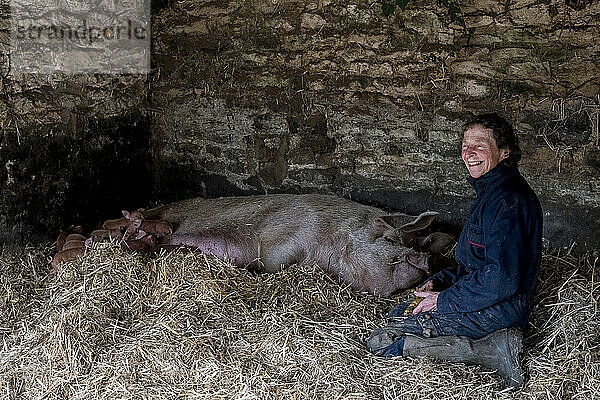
117,325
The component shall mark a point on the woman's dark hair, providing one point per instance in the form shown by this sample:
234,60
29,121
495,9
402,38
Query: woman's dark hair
503,132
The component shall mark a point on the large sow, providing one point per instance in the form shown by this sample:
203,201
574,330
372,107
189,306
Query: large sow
363,246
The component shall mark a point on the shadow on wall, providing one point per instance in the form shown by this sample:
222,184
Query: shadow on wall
53,180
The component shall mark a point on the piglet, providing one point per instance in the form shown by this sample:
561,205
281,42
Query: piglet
65,255
62,237
158,228
128,224
102,234
73,244
142,243
74,236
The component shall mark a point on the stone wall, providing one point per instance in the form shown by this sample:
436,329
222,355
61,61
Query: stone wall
251,96
333,96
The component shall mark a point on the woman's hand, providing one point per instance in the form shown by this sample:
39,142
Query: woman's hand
429,302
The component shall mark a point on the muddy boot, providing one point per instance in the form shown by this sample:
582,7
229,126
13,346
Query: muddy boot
499,351
386,342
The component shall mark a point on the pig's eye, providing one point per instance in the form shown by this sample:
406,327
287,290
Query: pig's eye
397,260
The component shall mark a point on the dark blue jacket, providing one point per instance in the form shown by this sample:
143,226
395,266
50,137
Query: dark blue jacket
498,252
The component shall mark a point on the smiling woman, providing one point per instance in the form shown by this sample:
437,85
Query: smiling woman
487,140
475,313
480,152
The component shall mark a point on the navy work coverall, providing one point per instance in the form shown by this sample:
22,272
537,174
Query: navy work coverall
498,254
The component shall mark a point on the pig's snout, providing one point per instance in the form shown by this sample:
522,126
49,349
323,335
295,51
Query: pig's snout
419,261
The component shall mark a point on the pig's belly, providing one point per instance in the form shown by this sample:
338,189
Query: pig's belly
240,254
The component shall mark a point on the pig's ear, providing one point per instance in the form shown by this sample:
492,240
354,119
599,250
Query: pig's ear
382,228
421,222
126,214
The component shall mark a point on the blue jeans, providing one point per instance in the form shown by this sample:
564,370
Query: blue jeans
429,324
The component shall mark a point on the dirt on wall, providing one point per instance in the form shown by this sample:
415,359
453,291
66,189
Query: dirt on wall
73,150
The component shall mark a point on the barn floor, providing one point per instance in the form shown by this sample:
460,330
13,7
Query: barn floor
114,325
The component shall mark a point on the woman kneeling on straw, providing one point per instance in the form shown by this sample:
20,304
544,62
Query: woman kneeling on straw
476,312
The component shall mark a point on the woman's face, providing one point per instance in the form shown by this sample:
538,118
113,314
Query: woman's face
479,151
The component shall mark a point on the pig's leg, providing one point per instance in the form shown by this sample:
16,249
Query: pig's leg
273,256
240,250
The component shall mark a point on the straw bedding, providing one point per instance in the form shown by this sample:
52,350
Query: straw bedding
116,325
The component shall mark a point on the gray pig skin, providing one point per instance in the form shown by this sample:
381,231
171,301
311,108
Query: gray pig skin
363,246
